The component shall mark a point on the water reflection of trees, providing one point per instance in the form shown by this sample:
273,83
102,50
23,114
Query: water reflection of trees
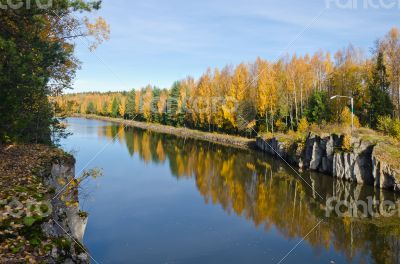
264,191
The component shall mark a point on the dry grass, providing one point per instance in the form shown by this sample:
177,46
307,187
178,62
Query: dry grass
329,129
389,153
386,148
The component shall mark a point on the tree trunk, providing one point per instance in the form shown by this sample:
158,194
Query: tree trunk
272,120
398,101
295,105
301,101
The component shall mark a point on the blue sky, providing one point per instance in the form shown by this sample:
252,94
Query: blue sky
158,41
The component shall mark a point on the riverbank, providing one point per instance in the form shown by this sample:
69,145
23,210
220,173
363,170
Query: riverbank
36,225
228,140
366,157
369,158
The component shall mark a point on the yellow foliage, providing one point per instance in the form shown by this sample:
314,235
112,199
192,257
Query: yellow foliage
346,144
109,106
266,88
147,98
203,102
235,94
251,166
345,118
389,126
222,100
303,125
162,103
251,124
122,107
280,126
137,102
100,30
268,135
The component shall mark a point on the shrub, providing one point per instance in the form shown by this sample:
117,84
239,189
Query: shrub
303,125
262,128
314,127
296,136
280,126
267,135
384,124
345,118
395,129
346,144
389,126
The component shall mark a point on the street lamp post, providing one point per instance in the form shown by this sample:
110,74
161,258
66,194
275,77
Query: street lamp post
352,107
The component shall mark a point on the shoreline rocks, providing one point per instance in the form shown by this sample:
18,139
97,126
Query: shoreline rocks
324,154
67,221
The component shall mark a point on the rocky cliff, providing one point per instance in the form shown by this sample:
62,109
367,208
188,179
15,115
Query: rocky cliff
67,221
363,163
40,220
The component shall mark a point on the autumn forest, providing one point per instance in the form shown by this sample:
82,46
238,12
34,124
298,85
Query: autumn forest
215,151
266,96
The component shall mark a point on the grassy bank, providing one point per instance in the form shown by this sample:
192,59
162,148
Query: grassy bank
228,140
386,148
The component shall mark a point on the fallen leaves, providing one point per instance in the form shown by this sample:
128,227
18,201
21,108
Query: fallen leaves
22,202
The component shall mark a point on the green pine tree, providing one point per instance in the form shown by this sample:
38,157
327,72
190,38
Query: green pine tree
130,104
156,117
172,105
380,103
175,115
114,107
90,109
318,109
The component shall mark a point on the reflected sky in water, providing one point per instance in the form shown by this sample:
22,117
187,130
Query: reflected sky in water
164,199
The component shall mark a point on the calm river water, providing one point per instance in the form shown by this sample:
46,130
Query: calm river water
164,199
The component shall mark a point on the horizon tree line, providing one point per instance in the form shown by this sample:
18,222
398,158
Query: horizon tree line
262,95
